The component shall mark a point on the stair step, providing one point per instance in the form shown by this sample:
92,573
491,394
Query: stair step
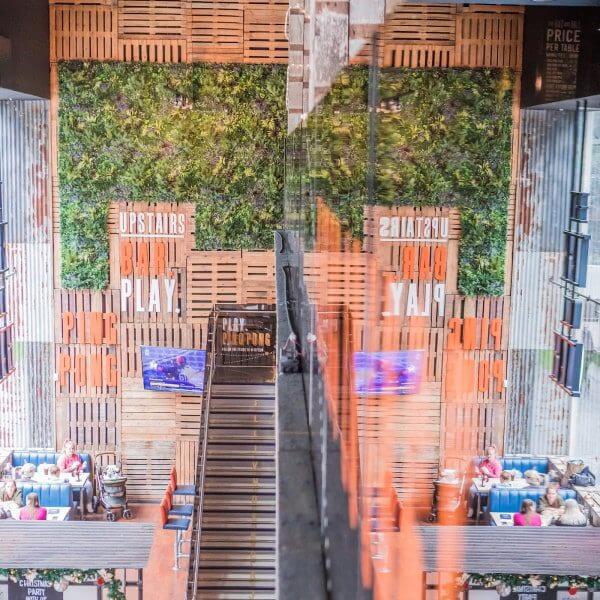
241,435
215,521
237,420
214,578
237,558
237,552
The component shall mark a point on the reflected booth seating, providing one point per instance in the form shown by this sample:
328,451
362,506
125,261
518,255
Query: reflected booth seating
39,457
509,501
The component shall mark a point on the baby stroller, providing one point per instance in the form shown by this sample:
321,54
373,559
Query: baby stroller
111,485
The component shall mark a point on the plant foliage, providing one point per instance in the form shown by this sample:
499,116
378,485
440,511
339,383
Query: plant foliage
214,135
209,134
442,138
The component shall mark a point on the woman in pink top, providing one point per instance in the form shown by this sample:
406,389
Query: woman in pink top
32,511
71,463
490,465
527,516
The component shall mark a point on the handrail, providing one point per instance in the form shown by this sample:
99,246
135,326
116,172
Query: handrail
203,459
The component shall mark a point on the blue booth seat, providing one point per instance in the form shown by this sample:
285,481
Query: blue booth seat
509,501
39,457
524,463
50,494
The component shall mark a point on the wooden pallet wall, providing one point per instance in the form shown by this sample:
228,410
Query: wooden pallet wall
446,35
169,31
101,403
400,293
253,31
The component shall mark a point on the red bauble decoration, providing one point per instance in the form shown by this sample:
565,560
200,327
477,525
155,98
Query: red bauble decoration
573,591
100,581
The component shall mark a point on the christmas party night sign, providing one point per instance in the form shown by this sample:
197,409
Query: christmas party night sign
22,589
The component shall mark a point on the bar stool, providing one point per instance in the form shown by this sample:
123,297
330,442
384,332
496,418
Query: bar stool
178,510
181,490
179,526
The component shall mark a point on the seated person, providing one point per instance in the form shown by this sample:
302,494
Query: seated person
572,517
506,480
490,466
54,474
28,470
551,505
32,511
11,493
527,516
533,478
70,463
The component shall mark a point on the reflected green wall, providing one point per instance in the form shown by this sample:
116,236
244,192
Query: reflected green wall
443,138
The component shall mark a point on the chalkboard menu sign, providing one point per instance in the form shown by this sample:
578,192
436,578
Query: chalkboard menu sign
32,590
561,54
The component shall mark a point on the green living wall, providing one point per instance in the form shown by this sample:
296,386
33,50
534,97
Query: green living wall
215,135
209,134
442,138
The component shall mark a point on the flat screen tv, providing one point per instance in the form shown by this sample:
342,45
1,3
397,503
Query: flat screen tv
384,373
173,369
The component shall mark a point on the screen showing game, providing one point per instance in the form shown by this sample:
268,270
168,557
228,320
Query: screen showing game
397,372
168,369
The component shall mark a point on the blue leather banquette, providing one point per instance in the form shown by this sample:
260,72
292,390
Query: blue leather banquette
509,501
50,494
39,457
524,463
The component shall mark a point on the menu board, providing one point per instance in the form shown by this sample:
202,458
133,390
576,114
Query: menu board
561,54
562,49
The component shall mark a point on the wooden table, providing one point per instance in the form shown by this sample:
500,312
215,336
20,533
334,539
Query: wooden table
57,513
64,478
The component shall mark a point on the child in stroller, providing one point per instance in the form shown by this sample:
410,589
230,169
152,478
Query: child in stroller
111,485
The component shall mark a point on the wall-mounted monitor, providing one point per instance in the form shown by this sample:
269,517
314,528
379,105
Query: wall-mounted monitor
576,258
173,369
572,311
384,373
579,206
567,365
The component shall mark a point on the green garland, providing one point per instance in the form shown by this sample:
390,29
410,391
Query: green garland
490,580
64,577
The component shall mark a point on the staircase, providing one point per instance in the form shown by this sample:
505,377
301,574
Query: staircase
234,541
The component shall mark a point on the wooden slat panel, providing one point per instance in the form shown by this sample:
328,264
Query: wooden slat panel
214,277
421,24
489,39
147,466
153,50
92,423
264,35
83,32
217,30
153,18
418,56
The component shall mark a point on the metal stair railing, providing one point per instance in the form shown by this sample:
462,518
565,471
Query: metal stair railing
205,422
